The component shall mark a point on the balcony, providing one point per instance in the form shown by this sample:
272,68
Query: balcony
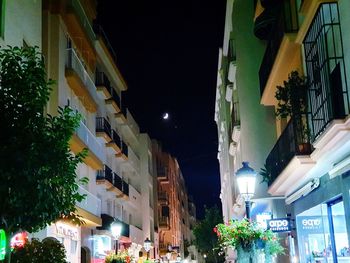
115,143
107,92
281,54
122,115
75,5
80,82
103,129
89,208
105,177
124,151
163,198
136,234
103,36
289,159
133,160
125,188
83,138
164,223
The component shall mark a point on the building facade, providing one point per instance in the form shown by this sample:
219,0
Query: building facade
305,151
172,210
79,57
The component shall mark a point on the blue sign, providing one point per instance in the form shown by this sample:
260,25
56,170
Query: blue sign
279,225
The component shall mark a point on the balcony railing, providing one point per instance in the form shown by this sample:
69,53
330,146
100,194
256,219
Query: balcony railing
84,20
125,149
324,55
125,188
91,142
287,22
118,182
105,174
116,138
74,63
91,203
102,125
101,33
292,142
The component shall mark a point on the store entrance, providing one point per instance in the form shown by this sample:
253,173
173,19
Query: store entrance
322,234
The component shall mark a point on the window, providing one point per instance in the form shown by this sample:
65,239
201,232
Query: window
328,93
322,234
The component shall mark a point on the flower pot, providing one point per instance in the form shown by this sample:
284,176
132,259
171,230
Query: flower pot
304,148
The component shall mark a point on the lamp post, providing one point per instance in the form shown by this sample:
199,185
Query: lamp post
147,246
116,229
246,177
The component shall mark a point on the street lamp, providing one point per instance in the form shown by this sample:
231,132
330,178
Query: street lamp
246,177
116,229
147,246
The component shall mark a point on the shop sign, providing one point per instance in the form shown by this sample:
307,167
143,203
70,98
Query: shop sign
279,225
66,231
2,244
311,223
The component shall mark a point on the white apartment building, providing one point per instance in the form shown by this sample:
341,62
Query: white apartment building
79,57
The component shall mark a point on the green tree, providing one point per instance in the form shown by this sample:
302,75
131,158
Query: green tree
35,251
37,170
206,240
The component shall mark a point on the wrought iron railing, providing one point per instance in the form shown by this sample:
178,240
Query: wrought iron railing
293,141
116,138
324,55
125,149
102,125
125,188
118,182
287,22
105,174
102,80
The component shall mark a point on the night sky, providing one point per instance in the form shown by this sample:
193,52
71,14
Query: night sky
168,52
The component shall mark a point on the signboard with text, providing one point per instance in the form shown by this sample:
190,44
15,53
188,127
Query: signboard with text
279,225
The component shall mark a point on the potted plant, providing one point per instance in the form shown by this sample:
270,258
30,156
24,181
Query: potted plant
293,102
265,172
249,240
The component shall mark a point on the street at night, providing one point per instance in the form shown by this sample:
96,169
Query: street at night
174,132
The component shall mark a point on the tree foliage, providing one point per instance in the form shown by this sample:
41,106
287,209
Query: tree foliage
47,251
37,169
206,240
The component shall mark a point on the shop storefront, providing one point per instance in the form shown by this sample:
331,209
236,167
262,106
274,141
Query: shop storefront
69,236
322,220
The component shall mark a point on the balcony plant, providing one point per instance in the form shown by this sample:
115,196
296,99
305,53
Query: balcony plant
292,103
249,240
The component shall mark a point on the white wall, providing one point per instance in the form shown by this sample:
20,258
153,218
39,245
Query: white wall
22,22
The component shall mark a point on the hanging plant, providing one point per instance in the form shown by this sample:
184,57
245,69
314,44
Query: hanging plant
249,240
